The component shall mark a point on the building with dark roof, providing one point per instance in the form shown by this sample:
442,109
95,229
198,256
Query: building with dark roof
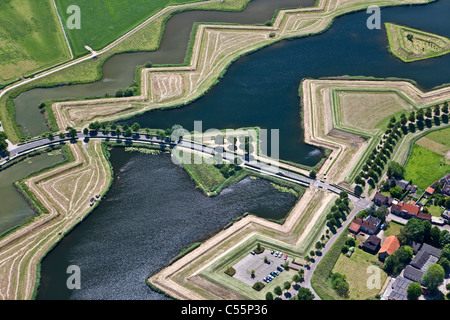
382,200
416,246
426,256
369,225
399,289
372,244
413,274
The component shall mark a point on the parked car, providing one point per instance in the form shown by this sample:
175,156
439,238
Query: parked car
281,253
285,257
252,252
272,252
280,269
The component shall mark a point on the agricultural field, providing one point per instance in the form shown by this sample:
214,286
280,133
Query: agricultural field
39,43
357,107
104,21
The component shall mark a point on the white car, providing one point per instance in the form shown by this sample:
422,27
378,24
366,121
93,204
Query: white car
280,255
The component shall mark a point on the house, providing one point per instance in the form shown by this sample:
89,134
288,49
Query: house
426,256
369,225
372,244
354,227
429,190
390,245
411,188
403,184
382,200
424,216
444,183
407,210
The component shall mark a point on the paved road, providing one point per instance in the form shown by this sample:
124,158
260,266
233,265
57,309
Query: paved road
359,204
264,168
107,48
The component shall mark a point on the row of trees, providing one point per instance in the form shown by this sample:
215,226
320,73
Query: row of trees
423,231
303,293
128,92
379,157
374,165
338,211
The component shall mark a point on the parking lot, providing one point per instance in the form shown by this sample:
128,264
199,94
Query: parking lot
256,262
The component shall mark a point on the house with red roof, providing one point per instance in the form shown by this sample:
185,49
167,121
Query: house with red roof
390,245
407,210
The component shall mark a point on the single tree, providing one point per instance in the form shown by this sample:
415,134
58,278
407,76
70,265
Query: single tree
414,291
287,285
278,291
433,277
305,294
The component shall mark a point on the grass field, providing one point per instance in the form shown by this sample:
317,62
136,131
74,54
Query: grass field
425,166
441,137
356,270
208,177
410,44
31,38
393,229
435,210
104,21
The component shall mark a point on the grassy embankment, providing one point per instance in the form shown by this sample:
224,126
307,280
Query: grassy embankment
147,38
31,39
408,44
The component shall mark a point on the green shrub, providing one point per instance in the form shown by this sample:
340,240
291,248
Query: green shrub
230,271
258,286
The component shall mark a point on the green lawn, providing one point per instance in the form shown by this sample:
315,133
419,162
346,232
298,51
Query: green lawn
31,38
103,21
393,229
435,211
209,178
320,279
356,272
425,166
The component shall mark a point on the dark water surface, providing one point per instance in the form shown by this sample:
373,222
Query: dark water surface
261,89
152,211
119,71
14,209
131,234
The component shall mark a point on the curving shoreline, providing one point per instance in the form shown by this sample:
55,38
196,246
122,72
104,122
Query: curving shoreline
19,270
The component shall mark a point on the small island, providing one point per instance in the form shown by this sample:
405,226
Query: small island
410,44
